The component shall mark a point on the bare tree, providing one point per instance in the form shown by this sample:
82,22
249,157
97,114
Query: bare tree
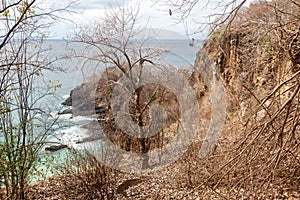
118,41
22,62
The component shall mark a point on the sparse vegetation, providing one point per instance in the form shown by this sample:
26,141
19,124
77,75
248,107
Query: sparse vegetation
84,177
22,62
256,51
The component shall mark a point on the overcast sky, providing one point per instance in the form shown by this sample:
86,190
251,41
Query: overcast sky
156,15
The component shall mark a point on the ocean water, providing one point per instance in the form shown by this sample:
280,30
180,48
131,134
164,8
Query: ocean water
67,129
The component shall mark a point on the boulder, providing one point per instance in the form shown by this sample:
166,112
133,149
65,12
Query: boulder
53,148
66,111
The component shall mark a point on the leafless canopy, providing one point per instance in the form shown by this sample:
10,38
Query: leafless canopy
116,40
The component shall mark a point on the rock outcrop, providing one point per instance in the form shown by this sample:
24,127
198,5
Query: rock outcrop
66,111
92,97
53,148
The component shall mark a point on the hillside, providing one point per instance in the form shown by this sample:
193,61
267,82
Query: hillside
257,59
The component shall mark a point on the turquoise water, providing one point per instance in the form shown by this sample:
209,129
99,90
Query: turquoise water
67,130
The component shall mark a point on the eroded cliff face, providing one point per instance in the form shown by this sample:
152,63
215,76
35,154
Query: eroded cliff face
252,64
258,60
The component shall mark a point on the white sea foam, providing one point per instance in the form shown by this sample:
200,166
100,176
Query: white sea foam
81,118
70,135
54,114
65,96
65,117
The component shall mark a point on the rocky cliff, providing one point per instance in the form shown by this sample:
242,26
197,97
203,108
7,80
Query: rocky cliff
258,58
